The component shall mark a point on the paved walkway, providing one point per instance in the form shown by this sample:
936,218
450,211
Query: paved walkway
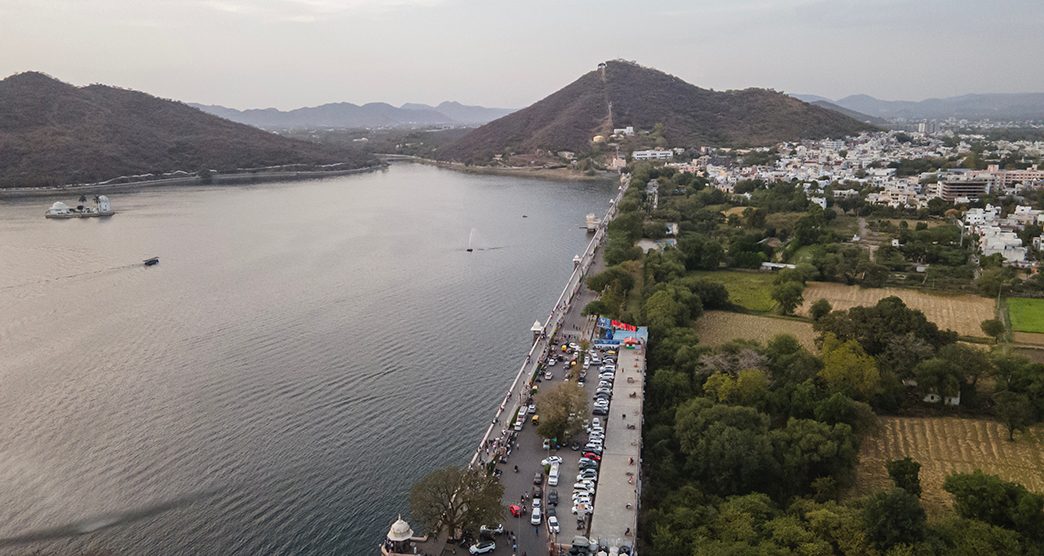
615,518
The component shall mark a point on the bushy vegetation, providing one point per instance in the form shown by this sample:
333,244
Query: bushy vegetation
750,448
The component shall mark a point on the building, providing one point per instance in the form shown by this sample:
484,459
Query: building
953,189
400,540
652,155
1010,178
624,131
995,241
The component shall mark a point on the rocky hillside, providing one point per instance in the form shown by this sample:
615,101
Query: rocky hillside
626,94
53,133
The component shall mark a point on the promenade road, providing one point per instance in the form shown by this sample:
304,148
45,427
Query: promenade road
526,449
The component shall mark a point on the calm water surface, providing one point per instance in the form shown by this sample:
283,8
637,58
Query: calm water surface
302,353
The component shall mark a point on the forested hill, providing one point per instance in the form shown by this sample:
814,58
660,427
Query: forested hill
643,97
53,133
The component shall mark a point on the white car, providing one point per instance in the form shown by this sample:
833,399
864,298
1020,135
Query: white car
574,347
534,518
581,509
537,505
552,525
551,460
483,547
548,376
552,362
596,422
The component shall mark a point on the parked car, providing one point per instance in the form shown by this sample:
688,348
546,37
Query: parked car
534,518
497,529
546,445
549,376
551,511
538,478
552,497
597,411
575,446
482,547
551,460
592,456
552,525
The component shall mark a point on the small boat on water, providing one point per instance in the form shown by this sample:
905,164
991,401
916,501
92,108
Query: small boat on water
152,261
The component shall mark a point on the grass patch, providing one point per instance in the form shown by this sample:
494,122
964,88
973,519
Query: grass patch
802,255
750,290
715,328
1027,315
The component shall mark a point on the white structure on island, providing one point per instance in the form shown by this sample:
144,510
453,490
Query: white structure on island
103,205
58,210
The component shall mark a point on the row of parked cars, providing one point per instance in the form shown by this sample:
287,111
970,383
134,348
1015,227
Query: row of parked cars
604,392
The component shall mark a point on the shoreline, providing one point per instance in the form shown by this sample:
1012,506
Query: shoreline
242,178
556,174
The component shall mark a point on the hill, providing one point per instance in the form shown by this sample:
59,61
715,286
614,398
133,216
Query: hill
644,97
998,106
872,120
53,133
345,115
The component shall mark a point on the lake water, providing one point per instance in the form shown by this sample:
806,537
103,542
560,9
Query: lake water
302,353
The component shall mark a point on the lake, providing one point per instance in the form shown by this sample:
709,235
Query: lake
300,356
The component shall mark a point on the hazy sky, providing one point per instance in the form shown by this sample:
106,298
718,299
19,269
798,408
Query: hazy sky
290,53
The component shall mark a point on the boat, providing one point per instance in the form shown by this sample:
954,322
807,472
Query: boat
152,261
592,222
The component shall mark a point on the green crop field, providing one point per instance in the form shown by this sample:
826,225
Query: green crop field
750,290
1027,315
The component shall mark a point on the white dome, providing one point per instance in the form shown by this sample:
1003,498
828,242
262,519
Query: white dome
102,198
400,531
58,205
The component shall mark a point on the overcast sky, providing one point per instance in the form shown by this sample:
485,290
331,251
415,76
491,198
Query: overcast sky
510,53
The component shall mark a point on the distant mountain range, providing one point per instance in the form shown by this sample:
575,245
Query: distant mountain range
621,94
999,106
54,133
346,115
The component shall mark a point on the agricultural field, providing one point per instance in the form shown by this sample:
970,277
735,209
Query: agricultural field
945,445
1030,338
1027,315
962,313
750,290
715,328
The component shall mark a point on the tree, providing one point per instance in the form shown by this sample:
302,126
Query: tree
873,327
904,473
820,309
893,517
848,369
457,499
993,281
987,498
788,295
993,328
1014,410
562,411
726,446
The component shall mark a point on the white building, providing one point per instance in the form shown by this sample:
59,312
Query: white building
652,155
994,241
